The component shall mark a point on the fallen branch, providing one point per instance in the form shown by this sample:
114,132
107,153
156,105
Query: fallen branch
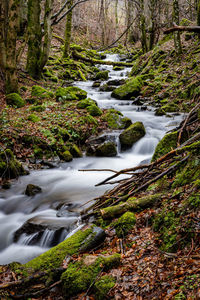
100,62
182,28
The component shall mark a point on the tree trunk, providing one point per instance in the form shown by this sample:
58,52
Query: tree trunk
11,83
153,10
35,39
177,37
47,33
68,31
143,28
3,18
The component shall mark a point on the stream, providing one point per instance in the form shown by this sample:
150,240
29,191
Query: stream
54,213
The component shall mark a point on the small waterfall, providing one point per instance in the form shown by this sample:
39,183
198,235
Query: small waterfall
47,238
26,239
145,146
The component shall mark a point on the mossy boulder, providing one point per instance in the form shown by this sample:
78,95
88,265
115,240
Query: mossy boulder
66,156
81,274
38,91
115,119
9,166
78,242
38,108
85,103
75,151
130,89
15,99
70,93
32,190
33,118
168,142
124,224
94,110
131,135
160,112
106,88
102,75
107,149
103,286
170,107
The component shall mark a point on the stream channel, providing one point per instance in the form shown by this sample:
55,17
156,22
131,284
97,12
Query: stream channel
53,214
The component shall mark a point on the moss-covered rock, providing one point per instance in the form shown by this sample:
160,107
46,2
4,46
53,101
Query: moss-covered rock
15,99
103,286
76,243
81,274
66,156
70,93
94,110
85,103
38,108
124,224
33,118
32,190
170,107
106,88
130,89
102,75
38,91
107,149
9,166
75,151
160,112
131,135
168,142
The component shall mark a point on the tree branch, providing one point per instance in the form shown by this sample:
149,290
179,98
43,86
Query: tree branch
182,28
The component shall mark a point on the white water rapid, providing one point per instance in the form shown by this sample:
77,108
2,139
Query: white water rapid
55,210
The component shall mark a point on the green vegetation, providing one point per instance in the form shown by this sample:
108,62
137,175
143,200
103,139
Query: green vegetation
15,100
131,135
130,89
124,224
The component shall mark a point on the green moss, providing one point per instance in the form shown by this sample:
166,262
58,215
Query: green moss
85,103
94,110
38,91
80,275
116,120
189,173
54,257
107,149
9,166
168,142
131,135
118,68
75,151
66,156
130,89
38,108
102,75
124,224
103,286
166,223
170,107
70,93
15,99
33,118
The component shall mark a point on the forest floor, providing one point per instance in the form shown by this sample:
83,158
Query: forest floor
160,244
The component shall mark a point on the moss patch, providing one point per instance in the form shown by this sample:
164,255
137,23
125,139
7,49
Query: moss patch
131,135
15,99
124,224
130,89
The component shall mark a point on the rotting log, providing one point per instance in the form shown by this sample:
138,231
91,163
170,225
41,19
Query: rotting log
132,204
76,55
182,28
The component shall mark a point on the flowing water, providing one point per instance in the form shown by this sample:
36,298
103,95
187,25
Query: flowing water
64,189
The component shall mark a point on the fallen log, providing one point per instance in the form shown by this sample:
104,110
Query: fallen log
182,28
132,204
76,55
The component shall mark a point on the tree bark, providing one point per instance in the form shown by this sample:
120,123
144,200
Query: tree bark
47,33
11,83
68,31
35,39
177,37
